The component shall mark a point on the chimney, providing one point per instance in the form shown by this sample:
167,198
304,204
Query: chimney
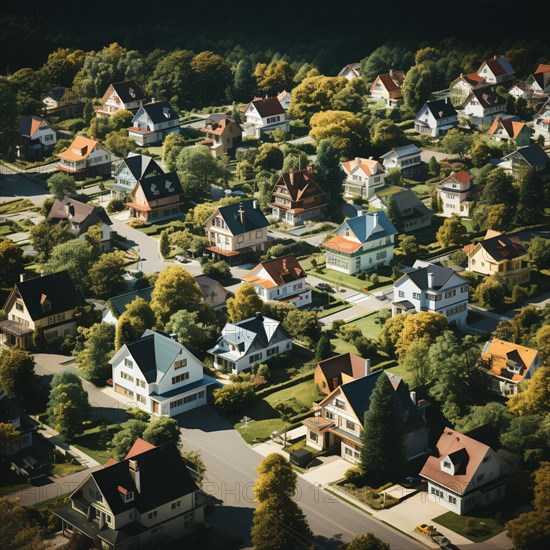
255,204
359,212
242,214
291,176
367,367
135,474
430,280
413,397
446,100
174,336
285,270
259,316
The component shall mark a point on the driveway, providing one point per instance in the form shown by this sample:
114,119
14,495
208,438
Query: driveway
15,186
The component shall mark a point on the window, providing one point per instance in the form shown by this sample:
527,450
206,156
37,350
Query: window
313,436
416,295
176,504
128,363
19,306
272,351
259,234
180,363
401,294
381,255
329,415
452,500
140,383
447,464
255,357
152,514
350,425
450,293
180,378
140,399
338,403
125,376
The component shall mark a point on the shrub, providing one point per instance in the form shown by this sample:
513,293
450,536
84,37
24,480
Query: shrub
233,397
136,222
116,205
354,475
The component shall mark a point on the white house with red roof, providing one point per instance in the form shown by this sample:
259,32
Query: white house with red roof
363,177
85,157
463,474
496,70
119,96
387,87
539,81
264,115
37,137
506,128
461,87
483,105
281,279
456,194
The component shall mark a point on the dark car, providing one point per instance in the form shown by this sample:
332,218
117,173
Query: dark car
325,287
409,482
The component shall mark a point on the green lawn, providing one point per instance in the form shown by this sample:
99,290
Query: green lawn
482,528
17,205
368,325
66,469
89,443
327,303
266,419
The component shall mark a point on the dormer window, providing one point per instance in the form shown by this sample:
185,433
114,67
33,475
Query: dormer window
132,92
154,189
168,185
447,464
166,112
45,303
125,494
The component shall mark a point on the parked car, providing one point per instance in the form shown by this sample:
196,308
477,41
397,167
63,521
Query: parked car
182,259
410,481
442,540
325,287
426,529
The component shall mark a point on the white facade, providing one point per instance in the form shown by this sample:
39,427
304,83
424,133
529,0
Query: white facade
450,300
45,134
146,132
184,374
362,179
298,292
256,124
480,115
541,123
425,123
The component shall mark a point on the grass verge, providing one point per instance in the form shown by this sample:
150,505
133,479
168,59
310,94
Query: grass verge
476,529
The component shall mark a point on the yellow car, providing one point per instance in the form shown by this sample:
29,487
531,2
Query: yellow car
426,529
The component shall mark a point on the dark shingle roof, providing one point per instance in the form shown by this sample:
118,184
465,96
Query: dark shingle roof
358,393
57,288
300,184
408,199
503,247
533,154
129,91
254,217
161,186
270,106
160,111
440,276
142,166
441,108
118,304
56,93
78,211
164,477
488,97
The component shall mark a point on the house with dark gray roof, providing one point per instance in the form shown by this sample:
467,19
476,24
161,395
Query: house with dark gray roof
80,216
483,105
156,197
249,342
121,96
236,232
436,118
153,122
361,243
117,305
414,213
523,159
132,169
406,158
147,500
431,287
264,115
47,302
162,375
340,416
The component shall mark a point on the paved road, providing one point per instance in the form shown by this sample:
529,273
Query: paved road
231,471
15,186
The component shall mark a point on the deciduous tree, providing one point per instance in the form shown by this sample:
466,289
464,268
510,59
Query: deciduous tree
347,134
11,263
244,304
93,359
368,541
452,232
106,276
195,335
17,377
163,430
17,530
329,171
535,395
61,185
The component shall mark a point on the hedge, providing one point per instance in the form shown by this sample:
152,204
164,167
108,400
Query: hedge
284,385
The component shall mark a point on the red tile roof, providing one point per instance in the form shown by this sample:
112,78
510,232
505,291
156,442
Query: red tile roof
139,446
542,68
512,127
280,271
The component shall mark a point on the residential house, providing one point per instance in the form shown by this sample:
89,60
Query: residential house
250,342
338,370
264,115
236,232
36,137
524,159
80,216
340,417
212,291
436,118
539,81
508,129
414,213
520,89
406,158
457,194
541,122
117,305
351,71
430,287
133,168
361,244
388,88
162,375
461,87
363,177
153,122
11,413
222,135
509,365
147,500
281,279
463,474
156,197
85,158
297,197
62,103
47,302
121,96
483,105
496,71
285,99
502,254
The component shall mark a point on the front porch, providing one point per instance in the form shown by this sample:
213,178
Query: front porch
15,335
